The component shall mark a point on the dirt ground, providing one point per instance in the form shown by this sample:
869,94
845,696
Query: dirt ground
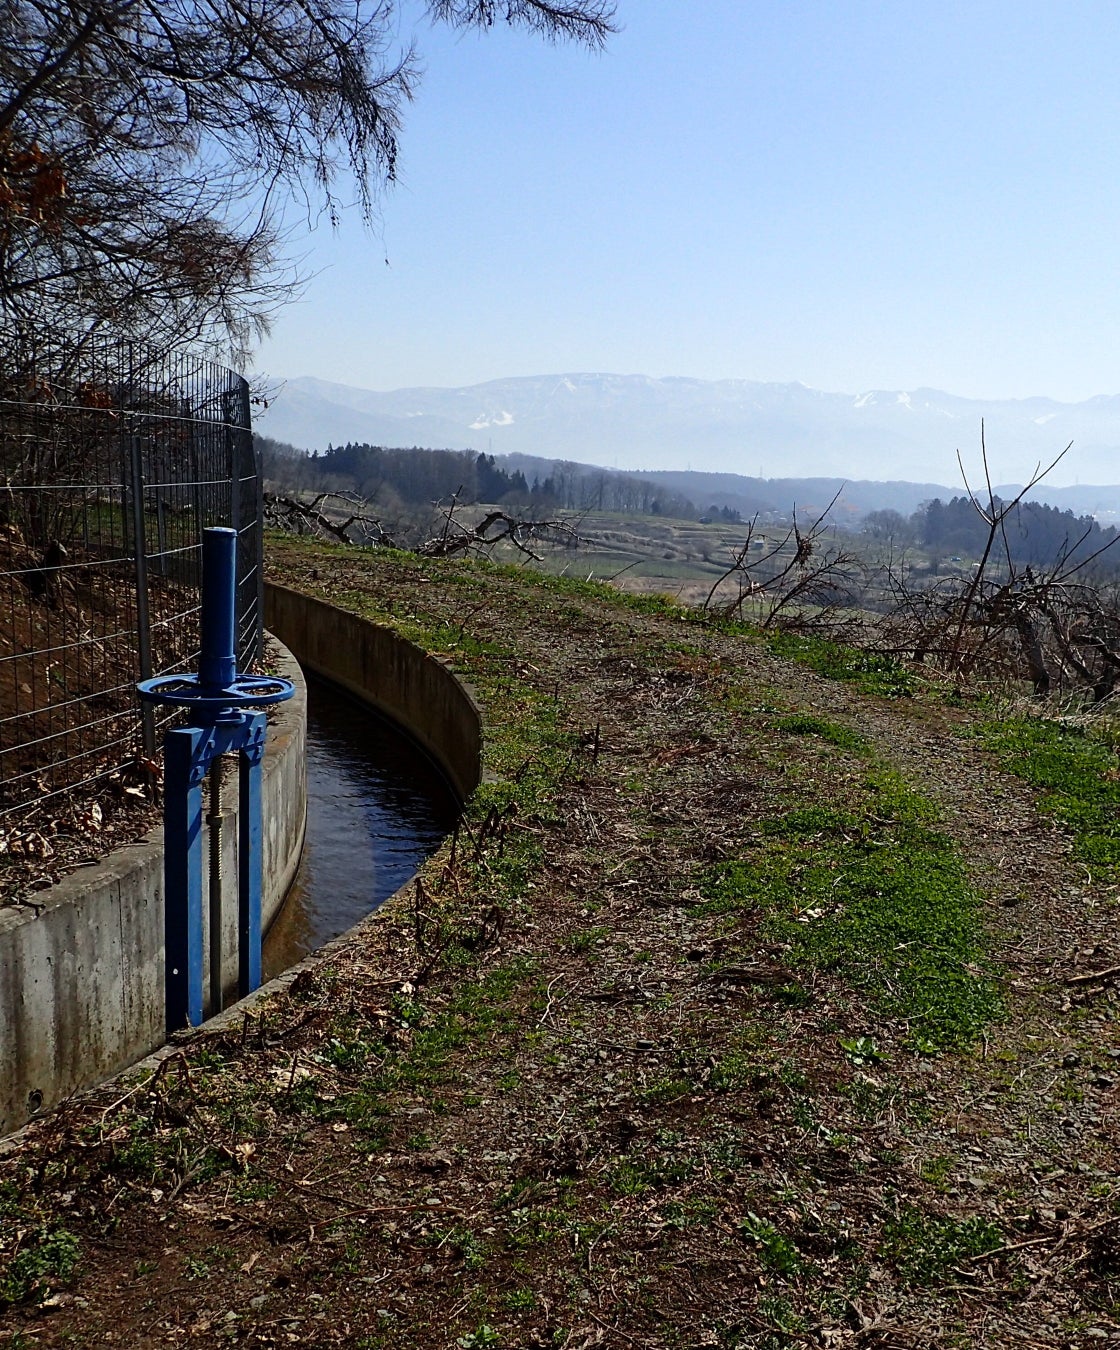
607,1076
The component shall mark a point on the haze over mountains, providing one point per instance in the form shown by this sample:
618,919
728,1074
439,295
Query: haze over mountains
638,423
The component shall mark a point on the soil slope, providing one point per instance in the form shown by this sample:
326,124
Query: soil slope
747,1008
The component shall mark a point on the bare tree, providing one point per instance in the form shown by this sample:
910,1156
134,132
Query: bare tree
1049,625
796,579
148,148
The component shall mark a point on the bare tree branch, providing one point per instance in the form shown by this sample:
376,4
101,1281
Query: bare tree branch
148,148
1011,619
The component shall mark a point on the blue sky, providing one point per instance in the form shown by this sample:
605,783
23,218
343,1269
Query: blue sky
851,194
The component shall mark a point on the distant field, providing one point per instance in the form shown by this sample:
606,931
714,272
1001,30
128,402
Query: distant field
647,548
685,558
652,554
660,554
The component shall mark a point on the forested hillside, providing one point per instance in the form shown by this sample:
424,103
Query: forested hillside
391,476
1035,534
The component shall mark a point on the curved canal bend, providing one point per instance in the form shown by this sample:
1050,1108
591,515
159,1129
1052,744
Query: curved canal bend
376,808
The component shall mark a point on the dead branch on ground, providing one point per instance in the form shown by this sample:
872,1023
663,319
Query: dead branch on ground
312,518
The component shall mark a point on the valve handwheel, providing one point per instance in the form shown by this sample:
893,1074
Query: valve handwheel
188,691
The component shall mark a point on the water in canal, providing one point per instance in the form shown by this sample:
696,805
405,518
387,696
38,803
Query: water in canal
376,807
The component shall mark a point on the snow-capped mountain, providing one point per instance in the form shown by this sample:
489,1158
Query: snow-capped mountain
635,422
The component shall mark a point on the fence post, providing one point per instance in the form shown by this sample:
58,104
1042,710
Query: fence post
230,409
160,559
143,616
233,440
258,536
258,519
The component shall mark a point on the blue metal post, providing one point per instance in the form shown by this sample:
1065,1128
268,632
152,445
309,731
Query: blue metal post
250,857
184,771
217,666
220,698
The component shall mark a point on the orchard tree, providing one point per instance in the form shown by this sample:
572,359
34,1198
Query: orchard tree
149,148
887,525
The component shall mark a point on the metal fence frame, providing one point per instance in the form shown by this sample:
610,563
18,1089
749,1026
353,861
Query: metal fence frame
113,460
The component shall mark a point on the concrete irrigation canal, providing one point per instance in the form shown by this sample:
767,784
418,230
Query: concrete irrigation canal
376,808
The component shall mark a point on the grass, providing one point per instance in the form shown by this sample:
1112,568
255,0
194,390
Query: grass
872,672
925,1248
481,1012
869,889
532,742
643,1106
776,1252
807,724
903,920
667,1162
1078,776
47,1257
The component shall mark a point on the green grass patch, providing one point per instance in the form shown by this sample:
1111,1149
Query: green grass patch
665,605
873,672
666,1163
809,822
874,893
480,1012
586,938
924,1248
46,1258
807,724
776,1251
1078,775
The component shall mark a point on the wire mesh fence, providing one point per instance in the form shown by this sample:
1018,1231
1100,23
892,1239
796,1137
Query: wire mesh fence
112,462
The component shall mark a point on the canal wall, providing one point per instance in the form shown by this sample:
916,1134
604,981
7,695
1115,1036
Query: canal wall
409,685
379,667
81,970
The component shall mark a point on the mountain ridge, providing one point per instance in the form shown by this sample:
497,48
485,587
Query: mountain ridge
644,424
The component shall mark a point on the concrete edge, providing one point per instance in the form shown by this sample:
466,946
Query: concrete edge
372,661
232,1016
